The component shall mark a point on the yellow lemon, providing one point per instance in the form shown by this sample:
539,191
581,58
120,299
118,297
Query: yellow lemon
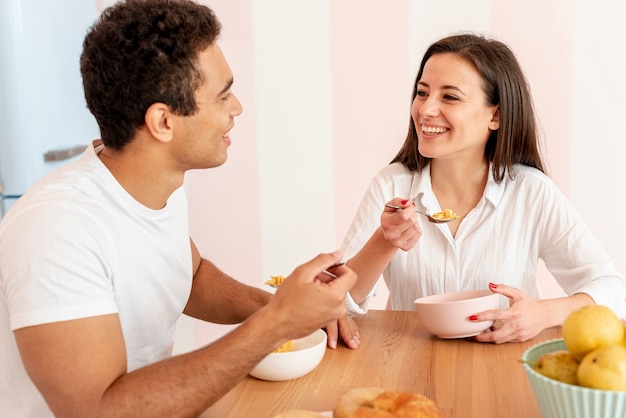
604,368
559,365
591,327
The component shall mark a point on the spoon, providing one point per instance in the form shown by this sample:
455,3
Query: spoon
333,275
430,218
325,271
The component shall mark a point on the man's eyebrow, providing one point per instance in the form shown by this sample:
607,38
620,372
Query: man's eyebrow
227,87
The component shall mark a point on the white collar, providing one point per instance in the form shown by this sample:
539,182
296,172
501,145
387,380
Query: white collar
422,191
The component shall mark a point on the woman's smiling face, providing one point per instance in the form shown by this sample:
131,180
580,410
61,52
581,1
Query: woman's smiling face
450,111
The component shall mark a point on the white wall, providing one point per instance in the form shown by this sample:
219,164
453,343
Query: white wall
598,142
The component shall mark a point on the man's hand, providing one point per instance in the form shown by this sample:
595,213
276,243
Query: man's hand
309,299
347,329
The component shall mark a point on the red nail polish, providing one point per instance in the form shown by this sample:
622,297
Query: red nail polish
473,317
404,201
493,285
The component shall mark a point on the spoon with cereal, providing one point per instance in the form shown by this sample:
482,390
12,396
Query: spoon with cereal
437,218
276,281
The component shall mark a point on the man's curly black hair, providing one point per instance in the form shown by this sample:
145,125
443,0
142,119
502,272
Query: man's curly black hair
140,52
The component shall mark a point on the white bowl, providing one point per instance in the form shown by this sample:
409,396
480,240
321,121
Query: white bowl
557,399
447,315
306,355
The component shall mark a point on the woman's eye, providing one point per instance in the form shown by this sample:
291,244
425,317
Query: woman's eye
450,97
421,93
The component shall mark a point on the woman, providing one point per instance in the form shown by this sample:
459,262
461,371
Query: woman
472,147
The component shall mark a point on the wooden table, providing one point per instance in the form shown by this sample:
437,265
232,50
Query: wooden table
465,378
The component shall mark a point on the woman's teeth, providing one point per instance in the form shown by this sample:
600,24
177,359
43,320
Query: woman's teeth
433,130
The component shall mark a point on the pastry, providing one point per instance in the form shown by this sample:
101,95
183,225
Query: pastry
374,402
298,413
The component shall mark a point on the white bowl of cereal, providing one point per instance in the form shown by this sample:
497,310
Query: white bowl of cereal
299,359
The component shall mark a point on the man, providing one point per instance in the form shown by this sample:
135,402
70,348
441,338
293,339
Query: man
96,263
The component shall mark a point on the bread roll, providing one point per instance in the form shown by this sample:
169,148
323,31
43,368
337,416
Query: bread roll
375,402
299,413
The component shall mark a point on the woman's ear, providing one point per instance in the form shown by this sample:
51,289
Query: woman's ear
159,122
494,123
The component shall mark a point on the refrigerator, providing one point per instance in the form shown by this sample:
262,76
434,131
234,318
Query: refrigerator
44,121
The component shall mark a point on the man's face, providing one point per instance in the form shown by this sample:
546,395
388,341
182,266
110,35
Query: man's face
202,139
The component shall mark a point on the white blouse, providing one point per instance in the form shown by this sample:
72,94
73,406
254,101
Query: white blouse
516,223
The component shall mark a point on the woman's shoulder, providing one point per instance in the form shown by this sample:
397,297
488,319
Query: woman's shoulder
524,173
530,181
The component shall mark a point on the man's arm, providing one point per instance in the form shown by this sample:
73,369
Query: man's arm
80,366
216,297
213,291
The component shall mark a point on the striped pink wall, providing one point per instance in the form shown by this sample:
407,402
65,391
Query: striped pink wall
325,86
546,54
371,78
224,202
341,71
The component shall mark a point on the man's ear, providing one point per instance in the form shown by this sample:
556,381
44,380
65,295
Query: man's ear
159,122
494,124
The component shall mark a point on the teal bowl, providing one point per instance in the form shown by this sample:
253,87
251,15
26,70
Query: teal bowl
562,400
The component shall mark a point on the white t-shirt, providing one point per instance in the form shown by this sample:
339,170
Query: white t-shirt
516,223
78,245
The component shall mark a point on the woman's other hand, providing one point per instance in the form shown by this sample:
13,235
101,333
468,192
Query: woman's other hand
526,316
